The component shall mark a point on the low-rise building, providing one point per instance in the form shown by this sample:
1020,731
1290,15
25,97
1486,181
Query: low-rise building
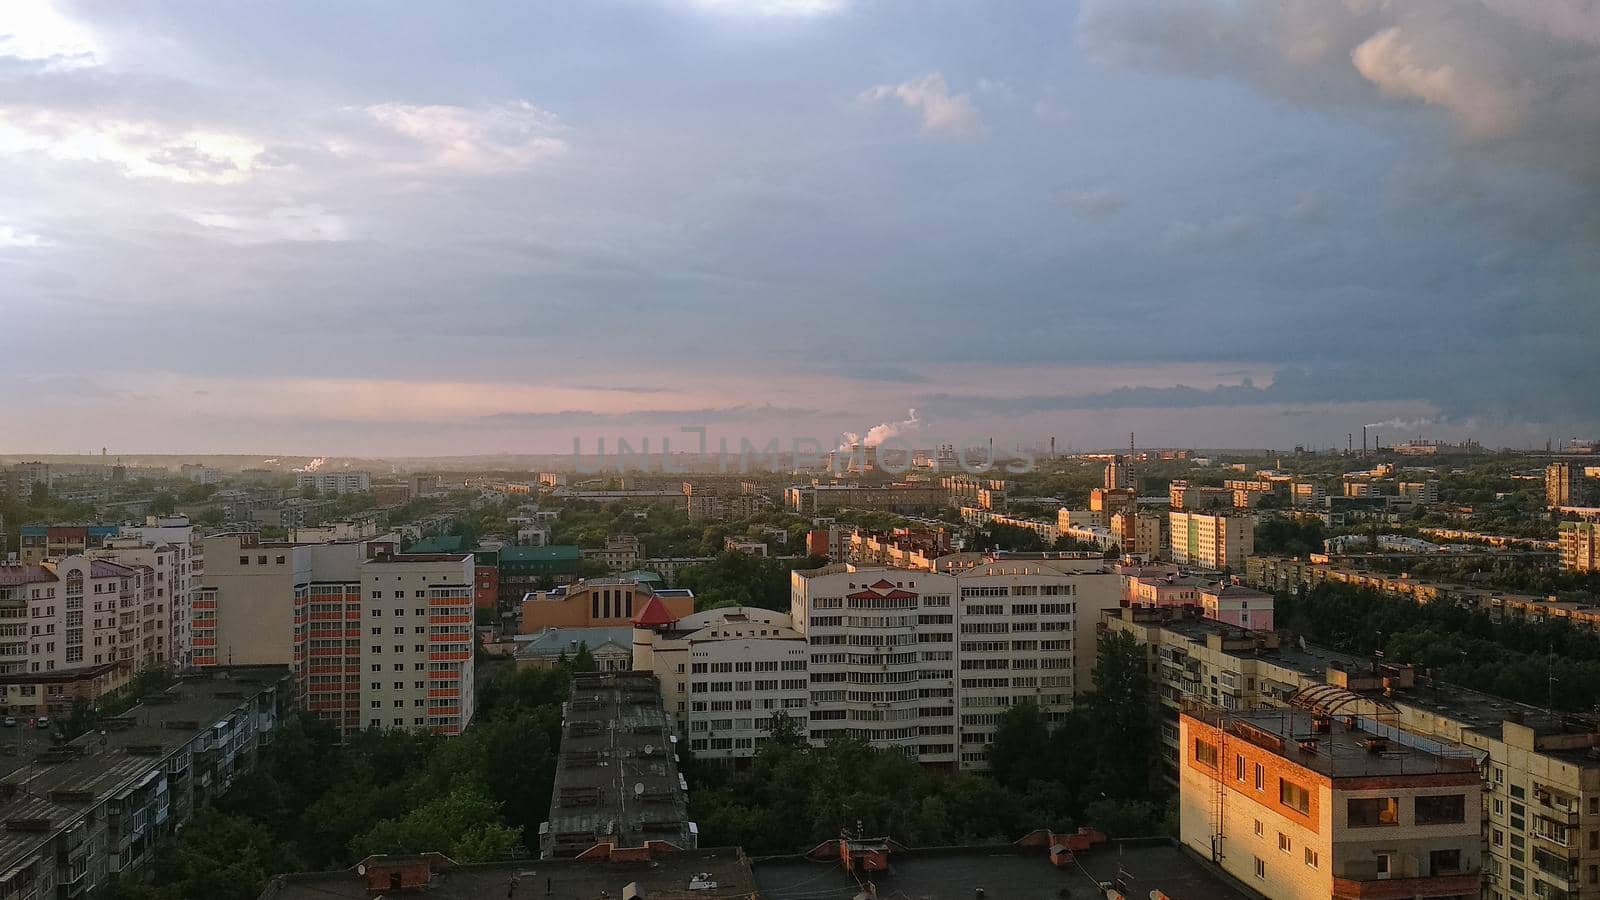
597,602
84,812
612,648
617,785
334,482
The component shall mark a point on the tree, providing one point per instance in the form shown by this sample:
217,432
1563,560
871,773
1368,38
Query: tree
584,660
463,824
163,504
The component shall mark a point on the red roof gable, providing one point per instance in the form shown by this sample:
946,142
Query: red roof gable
883,583
654,613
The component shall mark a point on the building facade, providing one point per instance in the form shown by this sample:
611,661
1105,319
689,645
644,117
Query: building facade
1212,540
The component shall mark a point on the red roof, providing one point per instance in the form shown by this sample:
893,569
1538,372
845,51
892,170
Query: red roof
654,613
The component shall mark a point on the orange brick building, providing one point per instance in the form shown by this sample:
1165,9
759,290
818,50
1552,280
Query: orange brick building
1300,803
598,602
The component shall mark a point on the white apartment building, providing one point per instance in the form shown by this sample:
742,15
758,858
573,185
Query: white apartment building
159,565
417,665
1018,642
883,657
73,628
724,674
184,577
1211,540
334,482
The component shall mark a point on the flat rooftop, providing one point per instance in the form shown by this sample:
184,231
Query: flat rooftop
666,875
1004,874
1476,711
617,776
1337,750
49,785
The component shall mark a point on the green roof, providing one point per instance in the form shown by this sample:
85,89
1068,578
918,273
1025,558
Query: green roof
560,553
642,575
444,543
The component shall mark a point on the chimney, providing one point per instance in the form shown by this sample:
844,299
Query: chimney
1363,440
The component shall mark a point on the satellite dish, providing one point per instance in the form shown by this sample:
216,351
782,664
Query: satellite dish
361,868
649,749
638,788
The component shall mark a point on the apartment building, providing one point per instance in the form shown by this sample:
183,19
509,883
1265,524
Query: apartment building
622,551
883,657
1307,493
37,543
908,497
1566,485
928,662
417,645
159,568
375,638
1017,643
1183,495
724,674
1541,768
1300,803
1212,540
187,565
334,482
70,629
1580,546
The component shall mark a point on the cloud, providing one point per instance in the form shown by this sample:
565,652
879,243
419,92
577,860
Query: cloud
14,238
929,96
502,138
1222,231
889,374
686,418
35,30
1517,77
284,223
138,149
1096,203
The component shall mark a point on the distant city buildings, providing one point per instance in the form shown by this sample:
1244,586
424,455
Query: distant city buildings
334,482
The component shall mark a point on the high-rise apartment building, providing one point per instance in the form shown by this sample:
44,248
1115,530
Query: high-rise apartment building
928,662
1212,540
1580,546
1117,475
883,657
1565,485
375,638
417,645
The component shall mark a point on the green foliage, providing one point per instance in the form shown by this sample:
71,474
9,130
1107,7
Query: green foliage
1550,664
740,579
1289,537
1100,767
218,857
463,824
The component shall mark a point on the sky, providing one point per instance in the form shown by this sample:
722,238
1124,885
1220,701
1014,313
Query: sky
364,228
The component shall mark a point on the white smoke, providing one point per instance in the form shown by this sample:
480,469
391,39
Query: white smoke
1401,424
881,432
314,465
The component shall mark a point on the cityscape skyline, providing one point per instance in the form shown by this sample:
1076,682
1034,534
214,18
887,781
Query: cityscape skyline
1214,225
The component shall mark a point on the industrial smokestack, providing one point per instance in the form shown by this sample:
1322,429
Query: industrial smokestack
1363,440
1349,443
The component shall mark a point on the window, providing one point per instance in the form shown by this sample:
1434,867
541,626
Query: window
1370,812
1205,754
1444,809
1261,867
1294,796
1311,857
1444,862
1284,842
1382,864
1261,777
1238,767
1260,829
